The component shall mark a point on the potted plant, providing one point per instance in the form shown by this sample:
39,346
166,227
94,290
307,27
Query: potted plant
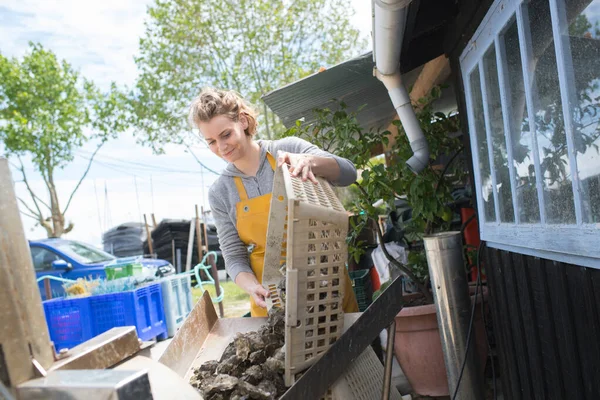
430,197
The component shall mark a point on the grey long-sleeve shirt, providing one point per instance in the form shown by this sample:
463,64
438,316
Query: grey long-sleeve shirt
223,195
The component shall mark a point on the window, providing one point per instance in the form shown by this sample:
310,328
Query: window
532,84
83,253
43,258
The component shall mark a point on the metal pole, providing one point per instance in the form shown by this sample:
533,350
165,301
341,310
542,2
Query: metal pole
23,331
48,289
178,256
389,355
213,269
453,304
149,235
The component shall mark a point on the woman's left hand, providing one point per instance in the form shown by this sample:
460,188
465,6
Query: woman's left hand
300,164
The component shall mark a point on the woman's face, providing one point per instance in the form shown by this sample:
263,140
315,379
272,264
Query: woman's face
225,137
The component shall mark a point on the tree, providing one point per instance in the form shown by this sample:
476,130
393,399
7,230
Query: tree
46,112
251,46
430,195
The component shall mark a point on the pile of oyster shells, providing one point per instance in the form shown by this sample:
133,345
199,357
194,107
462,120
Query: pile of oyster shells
251,367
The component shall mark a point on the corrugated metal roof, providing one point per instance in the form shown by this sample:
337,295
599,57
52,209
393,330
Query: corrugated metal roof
351,81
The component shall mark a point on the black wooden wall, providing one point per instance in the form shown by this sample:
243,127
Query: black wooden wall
546,319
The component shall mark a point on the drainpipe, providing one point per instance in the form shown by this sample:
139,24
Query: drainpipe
389,19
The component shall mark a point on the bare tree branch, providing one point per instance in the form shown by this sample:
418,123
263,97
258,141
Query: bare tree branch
35,215
33,196
82,177
30,216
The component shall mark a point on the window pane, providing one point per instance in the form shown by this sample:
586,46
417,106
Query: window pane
549,121
42,258
527,200
584,40
498,138
482,151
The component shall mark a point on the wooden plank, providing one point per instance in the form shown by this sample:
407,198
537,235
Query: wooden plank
498,326
190,247
150,247
204,233
512,372
201,228
546,330
102,351
587,329
531,334
215,274
47,289
516,325
570,367
199,238
184,347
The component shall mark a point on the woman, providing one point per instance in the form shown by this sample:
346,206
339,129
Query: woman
240,198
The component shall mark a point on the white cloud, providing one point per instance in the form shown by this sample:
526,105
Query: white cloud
99,38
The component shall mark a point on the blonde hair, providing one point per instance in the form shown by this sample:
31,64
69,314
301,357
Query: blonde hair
213,102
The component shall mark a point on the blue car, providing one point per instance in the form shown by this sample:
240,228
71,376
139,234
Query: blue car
70,259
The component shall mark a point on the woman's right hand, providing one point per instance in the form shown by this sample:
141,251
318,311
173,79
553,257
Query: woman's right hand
249,283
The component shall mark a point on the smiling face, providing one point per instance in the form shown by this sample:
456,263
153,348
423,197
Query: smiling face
226,138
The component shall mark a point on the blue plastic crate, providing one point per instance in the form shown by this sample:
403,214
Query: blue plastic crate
68,321
142,308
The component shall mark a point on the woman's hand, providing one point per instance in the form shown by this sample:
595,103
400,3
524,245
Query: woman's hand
259,294
300,164
248,282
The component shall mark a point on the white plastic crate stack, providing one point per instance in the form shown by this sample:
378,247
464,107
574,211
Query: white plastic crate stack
306,242
177,300
363,380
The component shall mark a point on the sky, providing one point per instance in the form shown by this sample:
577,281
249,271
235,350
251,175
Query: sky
126,181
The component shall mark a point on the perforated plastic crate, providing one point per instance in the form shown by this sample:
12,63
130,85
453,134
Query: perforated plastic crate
307,234
68,321
123,270
177,300
142,308
363,288
363,380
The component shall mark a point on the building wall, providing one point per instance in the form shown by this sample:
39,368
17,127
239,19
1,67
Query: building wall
546,319
545,314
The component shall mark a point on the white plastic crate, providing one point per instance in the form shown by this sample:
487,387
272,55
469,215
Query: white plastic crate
306,241
177,300
363,380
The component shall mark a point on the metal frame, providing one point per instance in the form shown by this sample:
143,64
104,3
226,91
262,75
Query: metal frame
555,241
488,135
564,61
506,112
531,100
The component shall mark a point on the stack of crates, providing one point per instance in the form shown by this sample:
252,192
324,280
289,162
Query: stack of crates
177,300
72,321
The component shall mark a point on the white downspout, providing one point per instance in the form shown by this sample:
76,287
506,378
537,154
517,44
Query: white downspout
389,18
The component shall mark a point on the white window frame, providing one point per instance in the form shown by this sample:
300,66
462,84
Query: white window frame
577,243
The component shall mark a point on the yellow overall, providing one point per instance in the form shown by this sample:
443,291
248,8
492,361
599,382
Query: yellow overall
252,222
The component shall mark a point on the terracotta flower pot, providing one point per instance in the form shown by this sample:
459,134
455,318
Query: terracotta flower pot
418,347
